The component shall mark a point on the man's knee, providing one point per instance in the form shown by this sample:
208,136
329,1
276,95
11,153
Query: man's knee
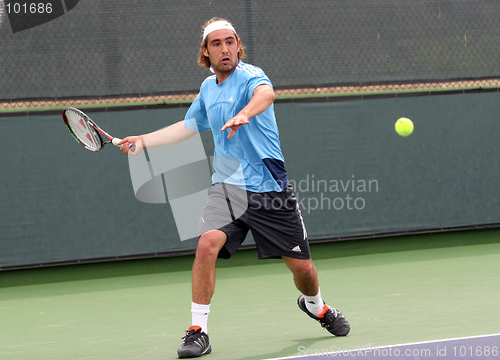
307,268
301,267
210,243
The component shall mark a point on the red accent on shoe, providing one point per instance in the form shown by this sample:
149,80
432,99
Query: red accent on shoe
194,328
325,309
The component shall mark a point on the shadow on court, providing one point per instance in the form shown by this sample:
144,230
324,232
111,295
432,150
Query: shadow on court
290,349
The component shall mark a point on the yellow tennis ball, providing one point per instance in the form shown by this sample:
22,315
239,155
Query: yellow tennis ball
404,126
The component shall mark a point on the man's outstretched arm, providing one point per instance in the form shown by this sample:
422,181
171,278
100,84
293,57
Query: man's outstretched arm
170,135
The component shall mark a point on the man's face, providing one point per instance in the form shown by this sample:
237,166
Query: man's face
222,49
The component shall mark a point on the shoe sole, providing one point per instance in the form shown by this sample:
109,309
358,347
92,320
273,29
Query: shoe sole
191,355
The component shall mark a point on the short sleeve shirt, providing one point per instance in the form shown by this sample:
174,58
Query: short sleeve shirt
252,158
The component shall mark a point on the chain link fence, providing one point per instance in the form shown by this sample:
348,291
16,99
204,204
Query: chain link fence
130,52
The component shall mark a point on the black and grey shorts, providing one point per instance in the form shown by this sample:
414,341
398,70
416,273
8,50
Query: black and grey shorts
273,218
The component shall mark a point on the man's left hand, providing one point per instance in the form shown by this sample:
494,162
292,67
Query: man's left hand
235,123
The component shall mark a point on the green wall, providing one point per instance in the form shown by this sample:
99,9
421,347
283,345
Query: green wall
443,175
62,203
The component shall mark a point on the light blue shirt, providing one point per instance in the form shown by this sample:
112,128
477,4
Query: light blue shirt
252,158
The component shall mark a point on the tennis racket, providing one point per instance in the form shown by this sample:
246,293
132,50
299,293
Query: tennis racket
86,132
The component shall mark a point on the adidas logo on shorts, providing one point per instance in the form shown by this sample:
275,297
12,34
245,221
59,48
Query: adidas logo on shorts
297,248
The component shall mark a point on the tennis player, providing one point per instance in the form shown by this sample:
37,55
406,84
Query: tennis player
250,190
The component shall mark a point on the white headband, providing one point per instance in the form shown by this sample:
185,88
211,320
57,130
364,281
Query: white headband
217,25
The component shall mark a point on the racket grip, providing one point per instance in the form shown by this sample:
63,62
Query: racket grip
116,140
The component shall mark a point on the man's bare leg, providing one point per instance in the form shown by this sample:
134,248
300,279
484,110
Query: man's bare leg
203,275
305,275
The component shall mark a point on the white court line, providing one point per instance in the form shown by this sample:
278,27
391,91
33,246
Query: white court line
390,346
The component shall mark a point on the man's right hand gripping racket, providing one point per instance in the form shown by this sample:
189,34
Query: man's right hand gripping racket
86,132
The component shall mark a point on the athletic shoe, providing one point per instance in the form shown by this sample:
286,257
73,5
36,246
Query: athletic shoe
331,319
196,343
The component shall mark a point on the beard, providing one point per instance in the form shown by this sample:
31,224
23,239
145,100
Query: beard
219,67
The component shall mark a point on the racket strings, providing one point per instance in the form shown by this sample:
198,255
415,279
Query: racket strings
83,131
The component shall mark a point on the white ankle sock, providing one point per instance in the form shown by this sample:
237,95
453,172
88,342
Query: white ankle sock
315,304
199,314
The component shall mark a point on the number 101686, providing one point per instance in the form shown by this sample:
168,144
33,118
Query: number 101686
475,351
31,8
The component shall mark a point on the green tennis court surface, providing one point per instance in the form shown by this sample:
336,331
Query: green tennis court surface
393,291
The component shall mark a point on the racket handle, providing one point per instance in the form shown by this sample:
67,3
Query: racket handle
116,140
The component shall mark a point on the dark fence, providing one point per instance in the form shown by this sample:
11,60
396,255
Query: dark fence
117,48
